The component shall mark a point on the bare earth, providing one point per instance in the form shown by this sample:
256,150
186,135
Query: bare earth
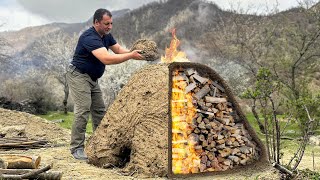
60,156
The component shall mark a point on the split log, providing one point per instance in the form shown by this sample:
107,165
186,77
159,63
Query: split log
20,161
234,159
203,91
218,86
190,71
190,87
215,100
204,112
200,79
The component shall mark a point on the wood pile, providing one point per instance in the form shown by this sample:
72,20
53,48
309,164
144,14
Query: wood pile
25,167
220,139
21,143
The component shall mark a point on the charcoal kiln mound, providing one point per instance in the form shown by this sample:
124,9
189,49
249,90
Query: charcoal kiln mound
134,131
134,134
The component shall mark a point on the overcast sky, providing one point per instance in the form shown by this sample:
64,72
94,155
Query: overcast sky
17,14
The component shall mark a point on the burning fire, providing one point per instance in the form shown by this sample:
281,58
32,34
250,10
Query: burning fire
185,159
184,156
172,54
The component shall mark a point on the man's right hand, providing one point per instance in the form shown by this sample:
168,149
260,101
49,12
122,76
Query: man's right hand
136,54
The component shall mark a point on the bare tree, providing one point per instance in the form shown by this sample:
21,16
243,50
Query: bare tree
281,54
58,49
3,46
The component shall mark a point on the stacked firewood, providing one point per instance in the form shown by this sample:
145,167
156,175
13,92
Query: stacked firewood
220,139
21,143
25,167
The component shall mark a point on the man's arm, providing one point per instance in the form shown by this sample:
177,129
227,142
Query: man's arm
107,58
119,49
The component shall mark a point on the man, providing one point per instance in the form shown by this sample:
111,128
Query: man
88,64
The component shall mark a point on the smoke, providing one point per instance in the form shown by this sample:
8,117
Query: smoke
204,11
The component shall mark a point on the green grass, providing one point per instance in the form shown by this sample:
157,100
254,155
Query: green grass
68,119
292,130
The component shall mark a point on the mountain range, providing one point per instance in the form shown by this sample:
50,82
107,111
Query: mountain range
201,26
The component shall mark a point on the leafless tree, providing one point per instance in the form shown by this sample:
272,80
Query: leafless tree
281,53
58,49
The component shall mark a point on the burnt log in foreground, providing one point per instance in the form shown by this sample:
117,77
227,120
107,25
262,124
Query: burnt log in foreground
134,132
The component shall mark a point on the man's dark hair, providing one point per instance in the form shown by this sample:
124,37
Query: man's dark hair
99,14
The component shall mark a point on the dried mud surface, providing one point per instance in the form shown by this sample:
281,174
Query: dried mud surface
136,124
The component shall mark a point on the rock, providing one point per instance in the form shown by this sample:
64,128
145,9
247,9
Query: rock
315,140
27,105
13,131
58,120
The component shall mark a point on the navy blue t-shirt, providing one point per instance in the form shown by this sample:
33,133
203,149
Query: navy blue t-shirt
83,58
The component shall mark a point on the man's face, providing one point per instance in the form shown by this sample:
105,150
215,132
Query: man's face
105,25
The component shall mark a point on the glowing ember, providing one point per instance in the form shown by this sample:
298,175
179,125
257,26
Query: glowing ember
172,54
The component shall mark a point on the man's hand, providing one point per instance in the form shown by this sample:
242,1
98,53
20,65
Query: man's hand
136,54
149,49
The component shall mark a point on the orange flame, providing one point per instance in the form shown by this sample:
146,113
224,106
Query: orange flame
172,54
184,156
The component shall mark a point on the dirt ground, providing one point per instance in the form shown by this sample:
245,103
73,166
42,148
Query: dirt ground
62,161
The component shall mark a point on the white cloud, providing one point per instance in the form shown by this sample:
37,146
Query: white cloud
15,17
257,6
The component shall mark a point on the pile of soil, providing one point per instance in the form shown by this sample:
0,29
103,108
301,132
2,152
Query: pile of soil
32,127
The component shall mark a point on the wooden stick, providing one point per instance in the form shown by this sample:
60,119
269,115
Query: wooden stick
314,167
33,174
282,169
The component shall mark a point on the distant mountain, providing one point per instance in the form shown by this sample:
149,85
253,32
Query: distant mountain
199,26
21,39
